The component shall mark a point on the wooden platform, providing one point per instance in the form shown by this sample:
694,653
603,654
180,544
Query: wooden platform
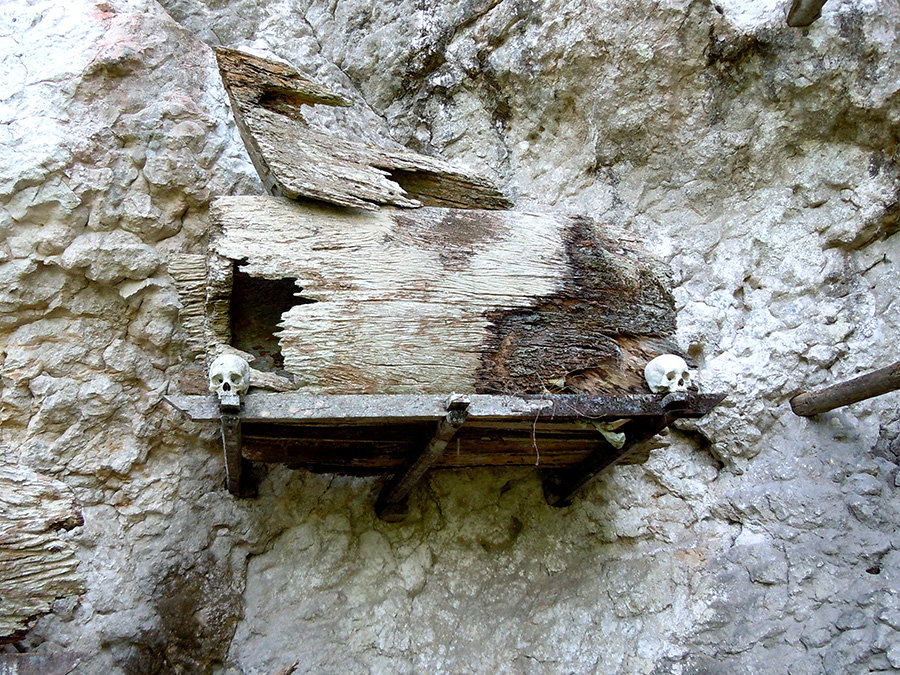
405,435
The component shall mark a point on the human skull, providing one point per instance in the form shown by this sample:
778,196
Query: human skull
667,373
229,375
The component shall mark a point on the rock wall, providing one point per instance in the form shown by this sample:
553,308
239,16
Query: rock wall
759,160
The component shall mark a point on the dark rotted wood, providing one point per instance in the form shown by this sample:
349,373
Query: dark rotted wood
612,315
440,299
858,389
373,450
295,408
803,12
297,162
391,504
560,488
370,435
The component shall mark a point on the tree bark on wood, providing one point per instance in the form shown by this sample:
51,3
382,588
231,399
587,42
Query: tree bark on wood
858,389
36,565
438,300
295,161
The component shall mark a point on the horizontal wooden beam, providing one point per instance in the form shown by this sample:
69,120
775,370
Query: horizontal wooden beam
858,389
293,408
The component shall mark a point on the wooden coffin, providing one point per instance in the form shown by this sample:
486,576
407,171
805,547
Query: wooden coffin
436,300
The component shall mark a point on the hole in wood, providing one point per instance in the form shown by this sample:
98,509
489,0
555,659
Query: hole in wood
257,305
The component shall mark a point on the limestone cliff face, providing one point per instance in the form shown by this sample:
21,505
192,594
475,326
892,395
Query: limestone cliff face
759,160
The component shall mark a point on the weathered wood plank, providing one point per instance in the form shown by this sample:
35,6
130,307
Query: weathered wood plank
297,162
37,566
295,408
858,389
438,300
804,12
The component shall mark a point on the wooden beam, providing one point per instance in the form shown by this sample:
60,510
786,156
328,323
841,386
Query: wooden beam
391,505
296,161
296,408
231,447
858,389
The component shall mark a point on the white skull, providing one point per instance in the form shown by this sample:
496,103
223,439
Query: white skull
667,373
229,374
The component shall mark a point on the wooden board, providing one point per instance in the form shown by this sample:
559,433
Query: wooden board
295,161
435,299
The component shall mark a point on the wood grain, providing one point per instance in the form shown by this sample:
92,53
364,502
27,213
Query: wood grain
438,300
37,565
858,389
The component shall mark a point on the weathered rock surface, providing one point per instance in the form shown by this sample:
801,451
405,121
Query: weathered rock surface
757,159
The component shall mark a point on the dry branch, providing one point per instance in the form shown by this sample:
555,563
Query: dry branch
858,389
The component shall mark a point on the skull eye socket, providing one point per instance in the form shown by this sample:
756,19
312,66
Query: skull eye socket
235,378
671,375
217,378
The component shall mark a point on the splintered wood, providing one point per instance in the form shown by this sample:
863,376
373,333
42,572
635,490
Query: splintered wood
297,162
36,565
437,300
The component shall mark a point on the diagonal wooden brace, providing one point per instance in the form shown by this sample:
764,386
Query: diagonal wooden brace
391,505
561,487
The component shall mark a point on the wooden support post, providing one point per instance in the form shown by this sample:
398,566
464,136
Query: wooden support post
235,464
231,445
391,505
858,389
562,487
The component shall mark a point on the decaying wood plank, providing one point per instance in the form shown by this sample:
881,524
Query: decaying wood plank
378,434
858,389
297,162
437,300
36,565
